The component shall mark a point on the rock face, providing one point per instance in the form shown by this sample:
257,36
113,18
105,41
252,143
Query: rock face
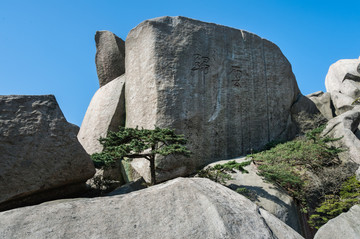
110,56
265,195
346,225
343,83
39,148
323,103
344,76
181,208
216,85
105,112
304,104
346,127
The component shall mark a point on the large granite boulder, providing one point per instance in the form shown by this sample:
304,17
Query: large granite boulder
346,225
181,208
346,127
106,112
39,149
264,194
343,83
110,56
227,90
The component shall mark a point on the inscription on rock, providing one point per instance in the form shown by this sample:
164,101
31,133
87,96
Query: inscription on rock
201,63
236,75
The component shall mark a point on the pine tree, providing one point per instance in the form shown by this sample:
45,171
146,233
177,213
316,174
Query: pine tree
140,143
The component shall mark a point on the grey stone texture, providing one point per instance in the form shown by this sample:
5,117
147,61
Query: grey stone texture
323,103
337,78
110,56
304,104
39,148
181,208
342,103
106,112
266,195
227,90
346,225
346,127
343,83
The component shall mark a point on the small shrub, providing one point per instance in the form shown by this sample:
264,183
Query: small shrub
356,101
231,165
306,122
214,175
287,164
220,172
334,205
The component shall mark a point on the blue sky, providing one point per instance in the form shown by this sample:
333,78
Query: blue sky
48,47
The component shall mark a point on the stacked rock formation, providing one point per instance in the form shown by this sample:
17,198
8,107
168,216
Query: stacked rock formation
343,88
216,85
340,105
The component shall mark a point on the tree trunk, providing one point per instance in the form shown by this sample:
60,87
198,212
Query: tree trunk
152,170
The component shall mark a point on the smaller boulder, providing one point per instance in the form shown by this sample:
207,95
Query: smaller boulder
346,225
323,103
110,56
342,103
304,104
106,112
346,128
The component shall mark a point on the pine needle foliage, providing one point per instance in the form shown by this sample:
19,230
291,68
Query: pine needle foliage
140,143
334,205
286,164
220,173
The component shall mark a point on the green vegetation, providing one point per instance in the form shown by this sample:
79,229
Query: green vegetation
140,143
309,169
220,172
286,163
356,101
334,205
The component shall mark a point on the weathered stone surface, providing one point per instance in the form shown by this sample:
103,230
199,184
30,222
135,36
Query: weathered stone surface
323,103
304,104
265,195
341,77
342,103
343,83
110,56
346,225
106,112
39,148
181,208
216,85
346,127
